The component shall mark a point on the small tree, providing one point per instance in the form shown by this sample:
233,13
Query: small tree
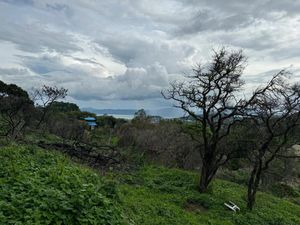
274,114
210,98
45,97
140,117
140,114
15,109
15,113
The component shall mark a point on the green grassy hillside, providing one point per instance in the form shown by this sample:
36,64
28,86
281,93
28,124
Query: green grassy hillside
169,196
40,187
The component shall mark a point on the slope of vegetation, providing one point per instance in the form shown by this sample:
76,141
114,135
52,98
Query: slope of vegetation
42,187
169,196
39,187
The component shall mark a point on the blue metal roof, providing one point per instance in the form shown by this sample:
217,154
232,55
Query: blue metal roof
89,119
92,124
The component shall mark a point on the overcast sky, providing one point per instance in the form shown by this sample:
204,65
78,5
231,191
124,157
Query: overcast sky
122,53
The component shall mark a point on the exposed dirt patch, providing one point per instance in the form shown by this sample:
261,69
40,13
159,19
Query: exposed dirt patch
194,207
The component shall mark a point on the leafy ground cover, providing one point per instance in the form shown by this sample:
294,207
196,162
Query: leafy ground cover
169,196
40,187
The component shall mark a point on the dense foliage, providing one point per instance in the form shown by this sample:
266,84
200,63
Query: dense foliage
64,107
38,187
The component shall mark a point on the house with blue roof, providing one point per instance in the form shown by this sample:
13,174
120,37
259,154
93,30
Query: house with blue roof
91,122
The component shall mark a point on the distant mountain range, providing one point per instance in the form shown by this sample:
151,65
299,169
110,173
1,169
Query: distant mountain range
163,112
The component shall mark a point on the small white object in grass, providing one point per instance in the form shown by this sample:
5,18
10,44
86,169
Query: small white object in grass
232,206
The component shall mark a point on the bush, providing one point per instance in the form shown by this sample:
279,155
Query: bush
283,190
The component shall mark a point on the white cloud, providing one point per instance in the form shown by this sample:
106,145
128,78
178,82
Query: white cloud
127,51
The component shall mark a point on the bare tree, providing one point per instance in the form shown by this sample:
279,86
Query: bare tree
210,98
45,97
274,114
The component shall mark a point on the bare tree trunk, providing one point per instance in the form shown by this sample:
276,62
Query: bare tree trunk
42,118
203,180
253,184
208,171
17,130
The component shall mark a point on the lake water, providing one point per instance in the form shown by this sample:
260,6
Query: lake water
127,117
